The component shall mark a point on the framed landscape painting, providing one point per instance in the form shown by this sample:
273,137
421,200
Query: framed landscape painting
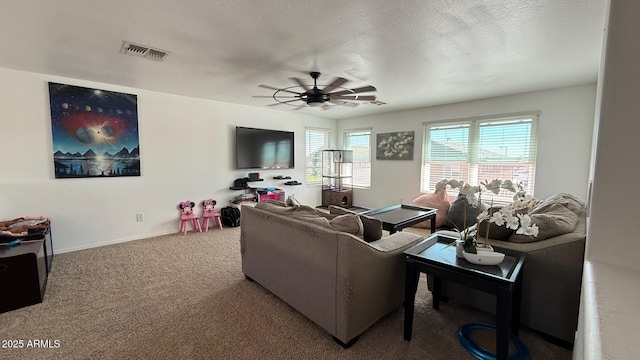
395,146
95,132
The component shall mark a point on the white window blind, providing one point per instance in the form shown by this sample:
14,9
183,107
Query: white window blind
316,141
360,142
481,149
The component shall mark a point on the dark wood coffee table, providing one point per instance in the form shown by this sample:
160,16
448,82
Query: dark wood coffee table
397,217
433,257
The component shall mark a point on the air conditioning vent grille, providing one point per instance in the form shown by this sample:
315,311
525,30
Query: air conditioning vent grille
142,51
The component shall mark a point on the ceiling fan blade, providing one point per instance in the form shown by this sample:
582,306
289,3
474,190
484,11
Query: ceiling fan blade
302,85
343,103
337,82
355,97
300,106
275,88
283,102
355,91
271,96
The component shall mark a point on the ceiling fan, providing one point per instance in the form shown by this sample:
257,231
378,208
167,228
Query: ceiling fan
333,94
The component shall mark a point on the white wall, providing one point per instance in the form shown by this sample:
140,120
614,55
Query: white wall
609,315
91,212
612,234
565,135
186,149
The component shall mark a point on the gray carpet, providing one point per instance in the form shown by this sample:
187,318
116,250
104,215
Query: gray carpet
185,297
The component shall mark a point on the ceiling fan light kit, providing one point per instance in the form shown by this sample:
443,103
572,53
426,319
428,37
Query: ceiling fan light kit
316,97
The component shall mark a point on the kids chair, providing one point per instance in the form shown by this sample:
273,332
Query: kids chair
187,214
210,212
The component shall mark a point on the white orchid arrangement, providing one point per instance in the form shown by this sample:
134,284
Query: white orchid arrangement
521,223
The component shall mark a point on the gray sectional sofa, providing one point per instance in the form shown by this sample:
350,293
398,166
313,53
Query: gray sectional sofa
320,265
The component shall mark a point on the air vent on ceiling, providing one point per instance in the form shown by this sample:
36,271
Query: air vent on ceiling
377,102
137,50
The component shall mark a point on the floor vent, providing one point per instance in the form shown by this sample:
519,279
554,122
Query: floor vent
142,51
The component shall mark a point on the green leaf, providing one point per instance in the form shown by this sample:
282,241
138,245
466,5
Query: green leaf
469,248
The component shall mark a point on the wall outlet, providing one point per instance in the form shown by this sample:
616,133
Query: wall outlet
140,217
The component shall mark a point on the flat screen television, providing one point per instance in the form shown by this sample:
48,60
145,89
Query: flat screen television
264,149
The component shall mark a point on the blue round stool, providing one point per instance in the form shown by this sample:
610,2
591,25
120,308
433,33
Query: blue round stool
480,341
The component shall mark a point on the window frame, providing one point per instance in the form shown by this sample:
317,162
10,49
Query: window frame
327,145
474,160
357,171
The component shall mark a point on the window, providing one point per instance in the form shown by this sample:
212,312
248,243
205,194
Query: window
481,149
316,141
360,142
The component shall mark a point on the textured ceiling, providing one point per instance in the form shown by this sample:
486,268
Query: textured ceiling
416,53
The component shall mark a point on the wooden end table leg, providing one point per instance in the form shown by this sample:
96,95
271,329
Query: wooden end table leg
410,287
503,324
516,306
437,288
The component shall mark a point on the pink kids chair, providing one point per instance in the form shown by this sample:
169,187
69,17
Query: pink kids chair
187,214
210,212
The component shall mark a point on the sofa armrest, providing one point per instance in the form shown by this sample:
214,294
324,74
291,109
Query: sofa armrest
370,281
395,241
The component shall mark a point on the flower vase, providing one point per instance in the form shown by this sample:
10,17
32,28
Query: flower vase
459,249
484,248
484,257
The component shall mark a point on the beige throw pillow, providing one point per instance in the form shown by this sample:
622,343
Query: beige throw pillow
552,219
348,223
292,201
372,227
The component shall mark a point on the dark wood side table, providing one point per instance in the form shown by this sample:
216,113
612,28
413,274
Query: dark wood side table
432,256
397,217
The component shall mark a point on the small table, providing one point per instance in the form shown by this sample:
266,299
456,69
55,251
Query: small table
434,257
397,217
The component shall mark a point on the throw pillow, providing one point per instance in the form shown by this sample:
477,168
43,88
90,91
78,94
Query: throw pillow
275,206
292,201
268,203
372,227
309,214
567,200
552,220
348,223
437,201
456,215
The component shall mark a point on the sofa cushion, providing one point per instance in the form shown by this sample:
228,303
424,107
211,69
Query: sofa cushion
554,216
567,200
456,214
348,223
437,201
275,206
372,228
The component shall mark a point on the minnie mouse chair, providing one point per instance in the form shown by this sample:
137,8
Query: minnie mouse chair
186,208
210,212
